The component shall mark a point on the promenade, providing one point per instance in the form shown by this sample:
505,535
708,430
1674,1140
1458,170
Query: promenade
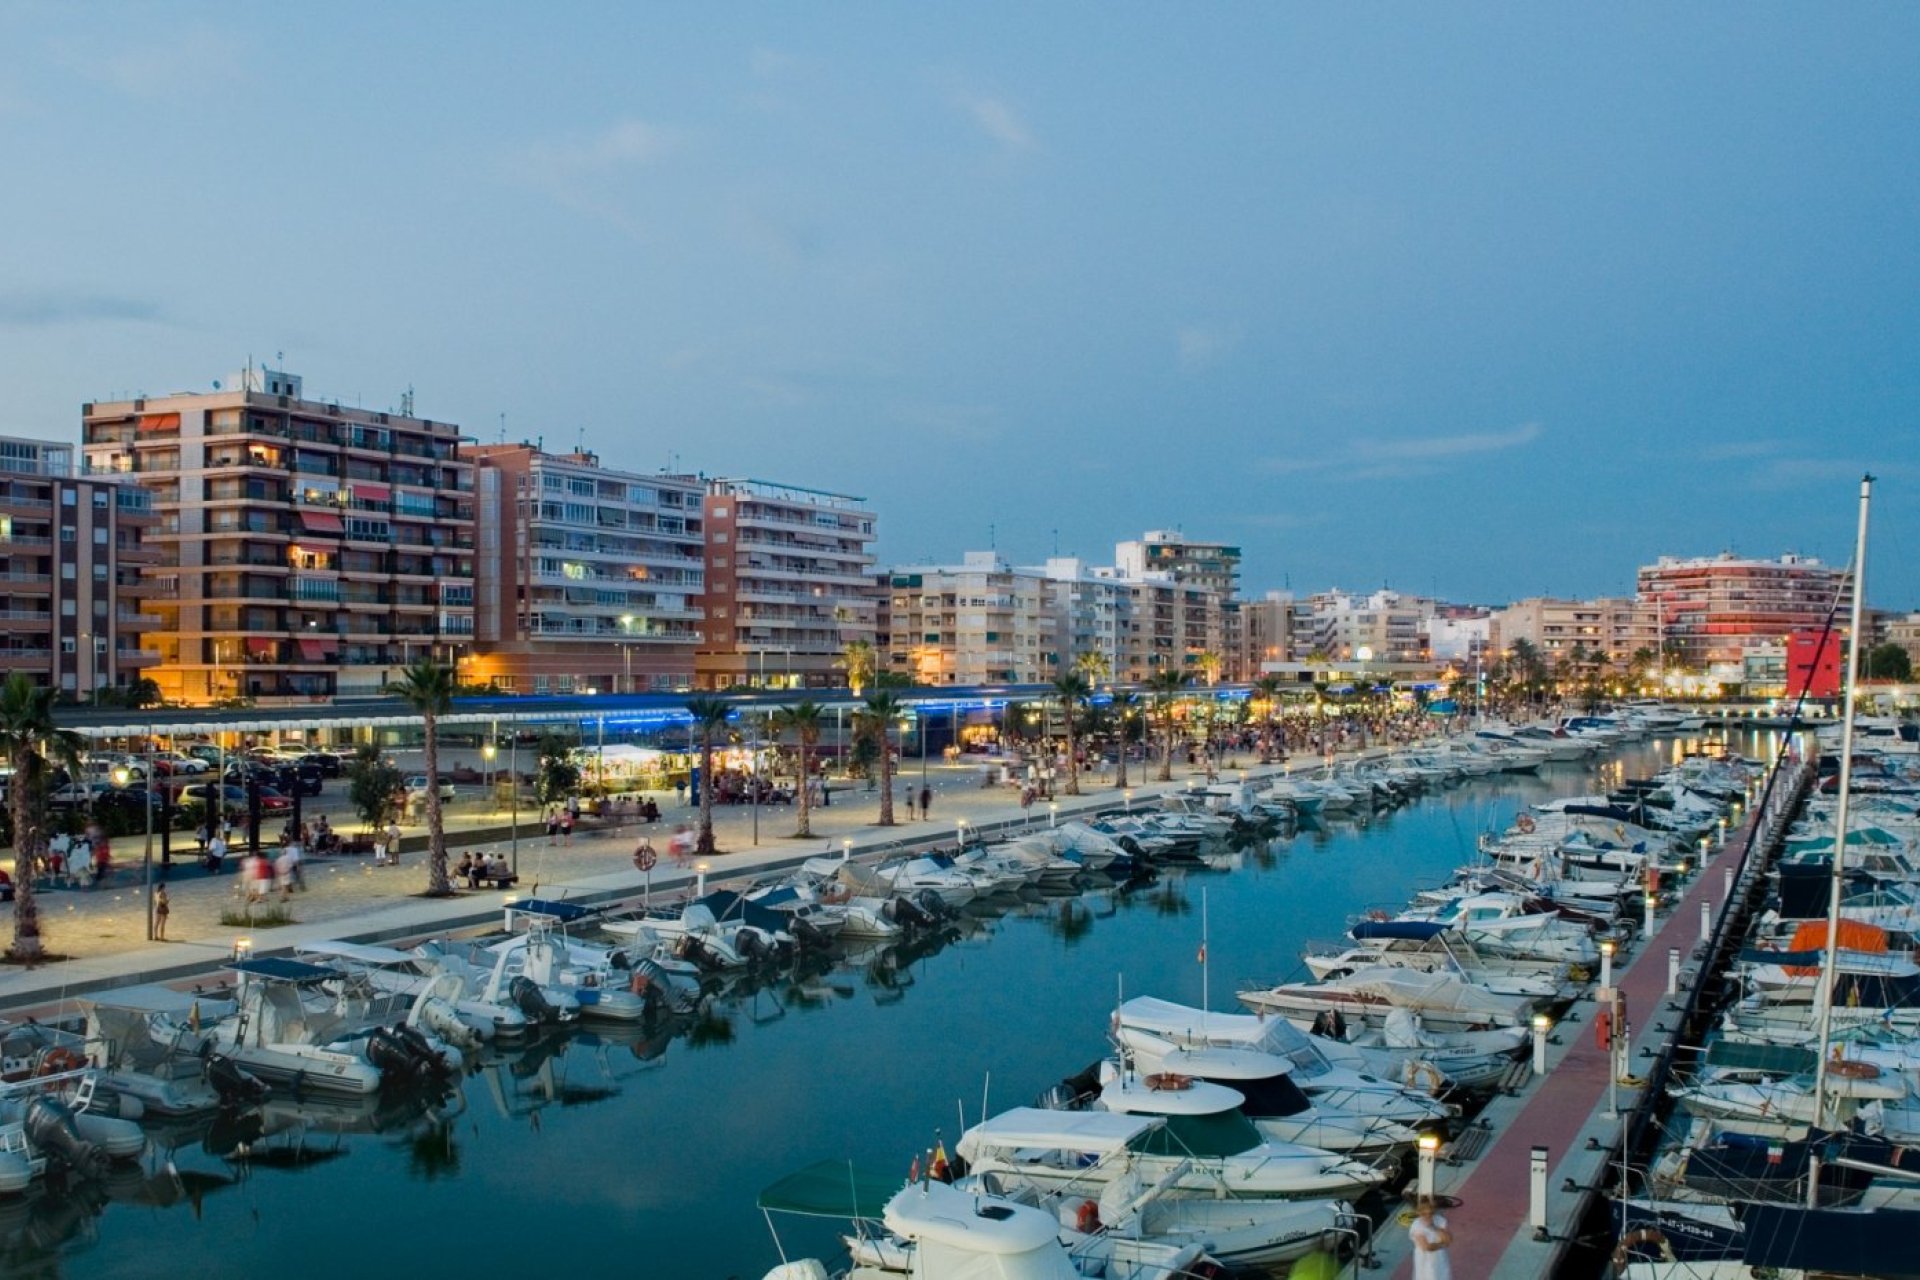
102,931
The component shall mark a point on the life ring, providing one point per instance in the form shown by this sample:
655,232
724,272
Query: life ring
1168,1082
60,1059
1086,1219
644,858
1853,1069
1423,1075
1623,1252
1525,823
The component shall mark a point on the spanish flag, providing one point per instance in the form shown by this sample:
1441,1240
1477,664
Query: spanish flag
939,1169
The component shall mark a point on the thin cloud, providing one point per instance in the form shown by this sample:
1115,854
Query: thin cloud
1797,473
1738,450
1198,348
1284,519
996,118
578,172
41,310
1402,457
193,61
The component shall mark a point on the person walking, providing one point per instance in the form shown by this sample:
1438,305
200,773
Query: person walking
926,799
393,844
160,910
1431,1240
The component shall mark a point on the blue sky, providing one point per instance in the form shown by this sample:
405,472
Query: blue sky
1483,300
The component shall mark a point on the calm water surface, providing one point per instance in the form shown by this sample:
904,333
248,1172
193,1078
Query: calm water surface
644,1154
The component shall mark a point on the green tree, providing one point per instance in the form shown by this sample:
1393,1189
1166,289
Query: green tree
1210,664
373,785
710,717
1639,663
1268,689
1889,662
427,689
1165,687
803,720
555,775
29,738
1094,666
857,660
1125,710
875,720
1073,690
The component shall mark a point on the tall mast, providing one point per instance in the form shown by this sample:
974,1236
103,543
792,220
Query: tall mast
1830,957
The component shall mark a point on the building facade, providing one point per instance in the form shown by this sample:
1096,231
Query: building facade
1610,627
71,552
587,580
306,550
1387,624
978,622
1710,609
789,584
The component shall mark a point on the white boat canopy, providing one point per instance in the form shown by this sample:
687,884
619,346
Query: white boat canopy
1099,1132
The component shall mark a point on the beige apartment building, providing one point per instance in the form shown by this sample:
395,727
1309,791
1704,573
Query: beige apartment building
981,621
587,580
1615,627
307,550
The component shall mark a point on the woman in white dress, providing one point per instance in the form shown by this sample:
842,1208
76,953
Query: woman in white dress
1430,1240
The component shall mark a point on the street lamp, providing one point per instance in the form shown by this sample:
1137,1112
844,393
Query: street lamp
626,648
488,751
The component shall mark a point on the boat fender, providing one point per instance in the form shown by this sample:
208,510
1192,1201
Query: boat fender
1623,1252
1525,824
1603,1028
1852,1069
1086,1219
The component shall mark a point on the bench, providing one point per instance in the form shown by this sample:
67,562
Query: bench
505,880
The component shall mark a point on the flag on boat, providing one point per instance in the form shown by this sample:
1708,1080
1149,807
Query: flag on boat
939,1169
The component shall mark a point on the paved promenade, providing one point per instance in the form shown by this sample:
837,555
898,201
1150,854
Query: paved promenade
102,931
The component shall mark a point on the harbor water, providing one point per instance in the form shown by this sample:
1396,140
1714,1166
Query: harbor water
640,1153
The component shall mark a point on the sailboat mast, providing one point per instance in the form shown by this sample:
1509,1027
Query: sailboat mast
1830,958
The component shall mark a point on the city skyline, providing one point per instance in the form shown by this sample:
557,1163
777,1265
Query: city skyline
1365,300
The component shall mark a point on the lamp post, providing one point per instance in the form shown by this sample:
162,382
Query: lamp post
513,791
1606,964
488,750
626,648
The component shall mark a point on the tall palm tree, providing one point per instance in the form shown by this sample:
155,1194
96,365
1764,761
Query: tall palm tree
1210,664
857,660
1269,688
28,736
1072,689
1126,721
875,718
427,688
1094,666
1166,686
709,718
803,720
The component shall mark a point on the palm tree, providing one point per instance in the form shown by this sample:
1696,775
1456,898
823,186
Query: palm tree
1072,689
803,720
1166,686
875,719
857,660
1268,687
27,737
1094,666
1210,664
427,688
709,718
1126,720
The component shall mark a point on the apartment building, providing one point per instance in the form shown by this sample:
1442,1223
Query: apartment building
71,552
1168,626
1387,624
587,580
1209,564
1613,627
1089,614
1711,609
307,550
789,583
981,621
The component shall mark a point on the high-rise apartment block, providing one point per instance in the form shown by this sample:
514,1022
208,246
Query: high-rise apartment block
587,580
1711,609
71,551
1611,628
978,622
307,550
789,584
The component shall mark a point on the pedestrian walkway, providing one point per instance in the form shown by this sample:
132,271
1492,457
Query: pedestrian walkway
103,931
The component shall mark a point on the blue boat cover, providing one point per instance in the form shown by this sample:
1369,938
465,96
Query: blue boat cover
1398,930
280,969
565,912
1847,1242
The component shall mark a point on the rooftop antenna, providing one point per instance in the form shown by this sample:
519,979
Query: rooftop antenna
1056,542
991,544
580,439
503,428
406,402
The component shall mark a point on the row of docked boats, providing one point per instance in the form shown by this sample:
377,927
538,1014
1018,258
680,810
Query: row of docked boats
1789,1147
1251,1140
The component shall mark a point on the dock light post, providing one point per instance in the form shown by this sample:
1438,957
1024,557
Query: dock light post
488,751
1429,1151
1706,921
242,948
700,880
1673,972
960,832
1127,798
1606,963
1652,901
1537,1193
1053,813
846,849
1541,1025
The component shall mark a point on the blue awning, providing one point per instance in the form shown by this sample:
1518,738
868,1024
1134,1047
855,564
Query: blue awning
1398,930
280,969
565,912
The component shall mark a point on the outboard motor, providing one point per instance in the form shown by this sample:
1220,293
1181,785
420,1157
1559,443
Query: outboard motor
393,1055
529,999
906,913
933,904
751,944
807,934
50,1127
656,987
236,1085
430,1058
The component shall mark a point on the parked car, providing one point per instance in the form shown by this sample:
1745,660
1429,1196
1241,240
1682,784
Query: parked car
299,779
179,765
234,797
417,789
326,762
75,794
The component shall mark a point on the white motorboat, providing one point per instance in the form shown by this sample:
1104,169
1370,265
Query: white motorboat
1211,1152
282,1038
133,1035
412,976
1435,948
1442,1000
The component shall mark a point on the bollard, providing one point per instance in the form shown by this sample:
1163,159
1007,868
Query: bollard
1673,971
1053,815
1726,884
1606,965
960,831
700,880
1647,928
1541,1025
1706,921
1429,1150
1537,1193
1127,797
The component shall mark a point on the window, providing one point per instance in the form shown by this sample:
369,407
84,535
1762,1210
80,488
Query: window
68,645
100,498
66,609
719,513
67,572
720,539
67,533
100,536
69,498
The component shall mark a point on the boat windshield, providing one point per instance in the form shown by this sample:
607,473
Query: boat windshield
1273,1096
1224,1133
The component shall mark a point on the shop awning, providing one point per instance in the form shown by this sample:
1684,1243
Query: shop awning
160,422
320,521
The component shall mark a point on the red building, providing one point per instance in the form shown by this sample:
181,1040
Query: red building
1814,668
